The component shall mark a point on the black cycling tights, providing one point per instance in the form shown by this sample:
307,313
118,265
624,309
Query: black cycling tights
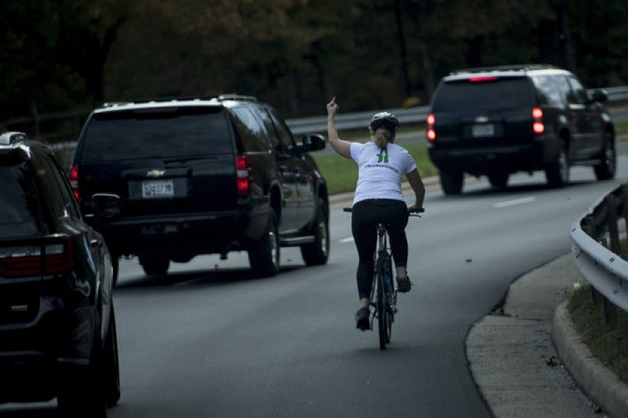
366,215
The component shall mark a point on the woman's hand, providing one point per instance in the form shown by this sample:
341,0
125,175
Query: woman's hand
332,107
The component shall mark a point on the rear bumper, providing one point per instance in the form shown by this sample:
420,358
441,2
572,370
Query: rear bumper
35,354
486,160
191,234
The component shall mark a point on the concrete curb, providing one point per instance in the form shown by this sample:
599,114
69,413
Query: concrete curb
597,381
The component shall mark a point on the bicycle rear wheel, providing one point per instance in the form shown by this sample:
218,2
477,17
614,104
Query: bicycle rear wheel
383,322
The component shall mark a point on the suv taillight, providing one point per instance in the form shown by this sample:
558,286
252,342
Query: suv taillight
243,175
51,255
537,121
431,133
74,177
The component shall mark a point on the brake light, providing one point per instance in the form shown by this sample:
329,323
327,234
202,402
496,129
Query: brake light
50,255
243,175
431,132
537,113
482,79
74,177
537,124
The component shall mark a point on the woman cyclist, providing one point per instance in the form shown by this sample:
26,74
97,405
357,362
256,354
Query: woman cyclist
378,199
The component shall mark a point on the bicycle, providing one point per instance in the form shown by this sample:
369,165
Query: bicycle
384,291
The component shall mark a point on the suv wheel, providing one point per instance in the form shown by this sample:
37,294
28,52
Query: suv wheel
316,253
498,180
154,266
115,262
608,163
264,255
557,174
451,182
112,364
82,392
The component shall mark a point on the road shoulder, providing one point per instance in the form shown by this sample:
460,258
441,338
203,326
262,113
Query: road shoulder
511,357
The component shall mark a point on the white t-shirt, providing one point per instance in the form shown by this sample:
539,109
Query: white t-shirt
380,171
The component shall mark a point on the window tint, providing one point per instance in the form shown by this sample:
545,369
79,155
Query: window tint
250,130
283,132
270,128
502,94
165,132
547,90
65,197
579,94
20,212
563,87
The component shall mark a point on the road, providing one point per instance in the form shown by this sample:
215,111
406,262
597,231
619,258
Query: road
209,340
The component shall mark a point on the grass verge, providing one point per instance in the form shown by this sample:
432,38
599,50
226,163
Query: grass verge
607,342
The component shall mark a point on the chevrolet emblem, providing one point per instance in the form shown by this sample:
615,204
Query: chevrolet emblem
155,173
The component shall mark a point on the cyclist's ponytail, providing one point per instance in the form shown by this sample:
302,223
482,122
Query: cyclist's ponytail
382,137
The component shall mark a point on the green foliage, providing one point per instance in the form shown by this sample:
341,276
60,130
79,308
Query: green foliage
621,127
295,54
608,342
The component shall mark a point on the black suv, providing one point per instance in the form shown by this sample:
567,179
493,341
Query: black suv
495,121
57,324
202,176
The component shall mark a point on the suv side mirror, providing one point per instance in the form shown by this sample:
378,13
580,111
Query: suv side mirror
106,207
313,142
599,96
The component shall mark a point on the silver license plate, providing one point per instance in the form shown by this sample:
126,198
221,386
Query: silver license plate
157,188
483,130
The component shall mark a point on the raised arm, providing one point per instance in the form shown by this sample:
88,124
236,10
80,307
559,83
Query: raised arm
414,178
340,146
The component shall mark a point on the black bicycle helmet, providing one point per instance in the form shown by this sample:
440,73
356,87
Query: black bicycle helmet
387,119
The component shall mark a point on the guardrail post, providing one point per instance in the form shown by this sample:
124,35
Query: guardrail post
613,231
610,311
588,227
624,195
610,315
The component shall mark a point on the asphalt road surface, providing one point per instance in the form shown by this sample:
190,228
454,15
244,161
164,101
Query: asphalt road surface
209,340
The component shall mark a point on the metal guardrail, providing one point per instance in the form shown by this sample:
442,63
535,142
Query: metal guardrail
596,248
410,115
298,126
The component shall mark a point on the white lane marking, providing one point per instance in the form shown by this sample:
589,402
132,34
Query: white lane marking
342,241
515,202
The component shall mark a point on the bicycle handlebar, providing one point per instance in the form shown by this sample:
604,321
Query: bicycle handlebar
412,212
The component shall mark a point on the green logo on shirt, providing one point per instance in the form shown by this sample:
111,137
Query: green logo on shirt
383,155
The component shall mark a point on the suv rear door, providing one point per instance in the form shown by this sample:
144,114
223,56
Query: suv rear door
473,111
589,122
302,179
160,161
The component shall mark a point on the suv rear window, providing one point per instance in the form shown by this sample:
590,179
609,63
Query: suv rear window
19,206
163,133
502,93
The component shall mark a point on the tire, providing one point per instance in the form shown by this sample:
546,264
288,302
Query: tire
82,391
608,162
317,253
390,299
265,254
557,174
154,266
112,363
451,182
498,180
380,307
115,262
